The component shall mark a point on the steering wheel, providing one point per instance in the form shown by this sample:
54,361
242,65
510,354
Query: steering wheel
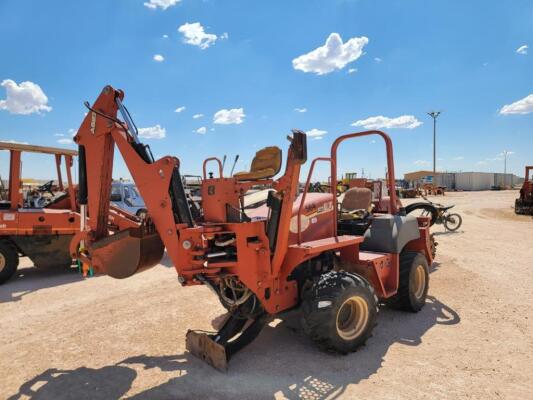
46,187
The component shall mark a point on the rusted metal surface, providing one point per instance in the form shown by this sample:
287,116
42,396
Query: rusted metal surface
205,348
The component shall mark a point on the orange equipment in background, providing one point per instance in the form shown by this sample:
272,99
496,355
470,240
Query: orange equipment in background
524,203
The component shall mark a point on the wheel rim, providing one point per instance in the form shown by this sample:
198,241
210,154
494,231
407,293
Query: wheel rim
453,221
2,262
352,318
419,284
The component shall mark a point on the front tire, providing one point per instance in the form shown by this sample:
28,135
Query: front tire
414,282
339,311
9,261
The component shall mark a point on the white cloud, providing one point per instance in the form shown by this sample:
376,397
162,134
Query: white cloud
196,116
316,134
300,110
162,4
226,117
195,35
522,106
332,56
378,122
59,134
165,36
65,141
202,130
153,132
459,158
224,36
352,70
180,109
377,59
421,162
481,163
159,58
26,98
522,49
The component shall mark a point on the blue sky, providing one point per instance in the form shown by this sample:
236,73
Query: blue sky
466,58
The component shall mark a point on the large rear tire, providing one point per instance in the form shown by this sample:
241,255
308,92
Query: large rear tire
339,311
9,260
414,282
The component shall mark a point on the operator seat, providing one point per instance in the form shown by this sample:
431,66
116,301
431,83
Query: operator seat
356,204
266,164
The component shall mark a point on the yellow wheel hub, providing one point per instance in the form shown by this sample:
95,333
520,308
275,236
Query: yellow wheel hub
352,318
2,262
419,283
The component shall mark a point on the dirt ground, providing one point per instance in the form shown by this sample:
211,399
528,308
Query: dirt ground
64,337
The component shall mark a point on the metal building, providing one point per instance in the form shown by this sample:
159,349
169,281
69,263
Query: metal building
463,180
474,180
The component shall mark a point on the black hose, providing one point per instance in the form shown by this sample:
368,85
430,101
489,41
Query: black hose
82,176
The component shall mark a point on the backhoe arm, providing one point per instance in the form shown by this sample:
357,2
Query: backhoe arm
133,249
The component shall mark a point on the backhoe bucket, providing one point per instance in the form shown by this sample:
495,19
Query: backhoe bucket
127,252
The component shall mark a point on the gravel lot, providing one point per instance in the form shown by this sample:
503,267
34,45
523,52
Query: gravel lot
64,337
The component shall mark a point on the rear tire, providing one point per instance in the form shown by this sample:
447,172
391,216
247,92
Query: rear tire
414,282
9,261
339,311
453,222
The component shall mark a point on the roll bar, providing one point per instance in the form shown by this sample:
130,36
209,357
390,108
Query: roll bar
390,164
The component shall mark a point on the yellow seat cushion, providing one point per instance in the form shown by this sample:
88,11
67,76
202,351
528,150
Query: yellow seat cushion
266,164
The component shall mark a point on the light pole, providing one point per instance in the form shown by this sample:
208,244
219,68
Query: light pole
505,154
434,115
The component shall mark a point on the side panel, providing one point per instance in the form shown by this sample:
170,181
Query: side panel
39,221
316,218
